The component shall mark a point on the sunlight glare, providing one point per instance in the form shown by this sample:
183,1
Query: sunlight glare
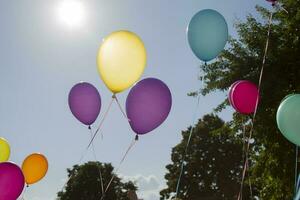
71,13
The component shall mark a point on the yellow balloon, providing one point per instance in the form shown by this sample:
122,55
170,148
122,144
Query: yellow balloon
121,60
34,168
4,150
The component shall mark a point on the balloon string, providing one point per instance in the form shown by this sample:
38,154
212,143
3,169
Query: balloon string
120,107
256,106
296,168
79,161
71,175
186,148
92,139
120,164
280,6
99,169
244,146
297,196
246,160
101,123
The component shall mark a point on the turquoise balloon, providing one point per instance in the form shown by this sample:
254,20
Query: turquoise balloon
207,34
288,118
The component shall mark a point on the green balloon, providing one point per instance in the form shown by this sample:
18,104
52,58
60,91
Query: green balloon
288,118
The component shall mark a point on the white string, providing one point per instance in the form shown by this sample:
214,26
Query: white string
120,164
121,109
188,143
101,123
296,168
99,168
256,107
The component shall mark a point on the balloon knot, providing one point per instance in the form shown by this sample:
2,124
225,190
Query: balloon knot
89,127
114,96
136,137
27,186
205,63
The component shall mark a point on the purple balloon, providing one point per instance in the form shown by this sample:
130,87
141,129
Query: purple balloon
148,105
85,102
12,181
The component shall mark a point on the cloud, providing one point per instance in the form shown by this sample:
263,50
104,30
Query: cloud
150,196
41,198
148,186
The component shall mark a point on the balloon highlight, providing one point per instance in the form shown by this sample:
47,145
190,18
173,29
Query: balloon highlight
121,60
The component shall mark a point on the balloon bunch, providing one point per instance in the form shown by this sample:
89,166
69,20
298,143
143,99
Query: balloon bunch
207,36
244,97
121,62
13,178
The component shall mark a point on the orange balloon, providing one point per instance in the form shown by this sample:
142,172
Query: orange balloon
34,168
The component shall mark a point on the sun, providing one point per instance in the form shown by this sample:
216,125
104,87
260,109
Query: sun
71,13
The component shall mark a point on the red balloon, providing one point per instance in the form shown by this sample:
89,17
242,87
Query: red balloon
243,96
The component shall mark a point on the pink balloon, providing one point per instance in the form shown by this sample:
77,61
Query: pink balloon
230,93
243,96
11,181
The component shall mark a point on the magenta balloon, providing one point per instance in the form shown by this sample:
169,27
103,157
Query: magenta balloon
85,102
230,93
148,105
244,96
11,181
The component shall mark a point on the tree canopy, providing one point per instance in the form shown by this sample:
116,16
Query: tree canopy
85,183
212,165
272,156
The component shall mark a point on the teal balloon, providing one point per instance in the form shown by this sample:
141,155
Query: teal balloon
207,34
288,118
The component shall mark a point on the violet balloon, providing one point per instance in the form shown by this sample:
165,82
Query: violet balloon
243,96
148,105
11,181
85,102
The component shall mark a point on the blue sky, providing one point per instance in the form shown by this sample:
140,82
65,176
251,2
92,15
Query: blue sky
41,59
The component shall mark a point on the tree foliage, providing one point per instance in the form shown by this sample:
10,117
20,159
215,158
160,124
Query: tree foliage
85,183
212,165
274,157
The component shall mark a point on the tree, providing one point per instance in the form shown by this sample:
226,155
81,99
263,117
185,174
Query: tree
85,183
213,163
273,160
